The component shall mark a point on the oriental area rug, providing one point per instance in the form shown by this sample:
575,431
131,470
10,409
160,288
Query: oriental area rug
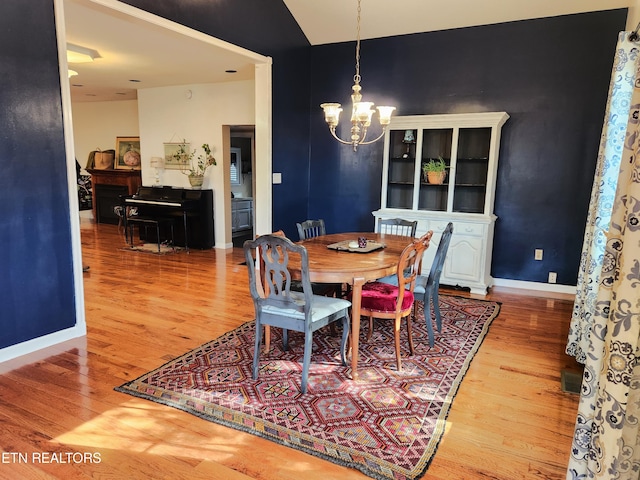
387,424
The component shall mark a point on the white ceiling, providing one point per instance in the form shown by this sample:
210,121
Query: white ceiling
132,48
331,21
135,49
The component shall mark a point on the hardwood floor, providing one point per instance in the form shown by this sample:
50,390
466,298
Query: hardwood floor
510,419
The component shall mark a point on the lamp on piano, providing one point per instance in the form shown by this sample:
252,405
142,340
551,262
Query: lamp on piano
158,164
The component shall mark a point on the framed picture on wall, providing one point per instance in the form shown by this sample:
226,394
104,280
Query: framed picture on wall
177,155
128,153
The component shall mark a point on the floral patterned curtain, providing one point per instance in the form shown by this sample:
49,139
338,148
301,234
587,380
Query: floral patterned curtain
604,188
606,443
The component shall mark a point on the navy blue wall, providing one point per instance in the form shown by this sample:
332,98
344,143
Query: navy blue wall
36,278
551,76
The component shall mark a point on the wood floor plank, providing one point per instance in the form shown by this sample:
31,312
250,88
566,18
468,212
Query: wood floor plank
510,419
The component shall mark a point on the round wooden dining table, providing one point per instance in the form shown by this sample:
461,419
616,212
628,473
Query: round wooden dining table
353,266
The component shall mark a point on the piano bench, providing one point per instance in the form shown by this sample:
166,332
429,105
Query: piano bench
143,221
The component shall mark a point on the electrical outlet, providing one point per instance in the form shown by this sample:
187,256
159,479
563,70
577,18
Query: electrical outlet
538,254
553,276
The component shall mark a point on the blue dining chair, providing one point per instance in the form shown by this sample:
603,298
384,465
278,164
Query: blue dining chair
427,286
315,228
398,226
311,228
277,305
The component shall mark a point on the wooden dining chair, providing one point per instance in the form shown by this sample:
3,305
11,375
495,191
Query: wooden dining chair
311,228
277,305
398,226
383,300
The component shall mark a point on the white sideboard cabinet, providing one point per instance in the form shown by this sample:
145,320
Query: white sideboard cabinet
469,145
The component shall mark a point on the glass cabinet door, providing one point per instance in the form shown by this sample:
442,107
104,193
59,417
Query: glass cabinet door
401,169
472,166
436,145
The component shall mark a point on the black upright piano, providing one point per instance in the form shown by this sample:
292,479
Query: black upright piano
192,209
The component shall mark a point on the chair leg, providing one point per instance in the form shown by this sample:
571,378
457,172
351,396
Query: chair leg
306,360
285,339
436,307
267,338
158,234
396,334
370,332
256,350
345,338
427,316
410,334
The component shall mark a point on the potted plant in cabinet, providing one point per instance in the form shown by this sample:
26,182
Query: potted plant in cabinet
435,171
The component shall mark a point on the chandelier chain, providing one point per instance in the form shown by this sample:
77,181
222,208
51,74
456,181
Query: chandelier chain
356,77
361,112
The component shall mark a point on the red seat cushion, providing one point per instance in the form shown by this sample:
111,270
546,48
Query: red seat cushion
382,297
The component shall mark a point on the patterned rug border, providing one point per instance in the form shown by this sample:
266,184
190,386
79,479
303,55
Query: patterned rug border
229,418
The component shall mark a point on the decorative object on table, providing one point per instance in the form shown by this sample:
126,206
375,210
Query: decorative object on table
128,153
194,168
362,242
361,112
387,424
435,171
409,139
354,246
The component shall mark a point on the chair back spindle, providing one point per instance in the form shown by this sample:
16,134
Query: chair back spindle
398,226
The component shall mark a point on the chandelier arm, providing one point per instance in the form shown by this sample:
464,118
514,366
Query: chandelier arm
333,132
374,140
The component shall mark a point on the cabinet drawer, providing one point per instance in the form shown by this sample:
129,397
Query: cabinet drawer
469,229
241,204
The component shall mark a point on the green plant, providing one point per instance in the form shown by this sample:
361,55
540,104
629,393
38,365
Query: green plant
202,161
432,165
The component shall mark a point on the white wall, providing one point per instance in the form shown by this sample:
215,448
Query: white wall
97,124
195,113
170,114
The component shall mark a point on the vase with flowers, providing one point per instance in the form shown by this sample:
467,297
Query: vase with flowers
194,168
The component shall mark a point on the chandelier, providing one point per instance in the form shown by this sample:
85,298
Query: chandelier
361,112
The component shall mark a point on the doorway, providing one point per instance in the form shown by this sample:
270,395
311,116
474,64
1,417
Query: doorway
242,142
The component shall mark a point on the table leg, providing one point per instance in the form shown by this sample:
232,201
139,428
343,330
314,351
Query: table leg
355,324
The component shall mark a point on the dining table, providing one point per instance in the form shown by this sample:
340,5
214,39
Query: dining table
335,258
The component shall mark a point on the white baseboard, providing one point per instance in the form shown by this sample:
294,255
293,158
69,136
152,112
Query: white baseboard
40,344
544,287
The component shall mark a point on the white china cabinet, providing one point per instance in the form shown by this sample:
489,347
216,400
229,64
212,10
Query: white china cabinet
469,145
